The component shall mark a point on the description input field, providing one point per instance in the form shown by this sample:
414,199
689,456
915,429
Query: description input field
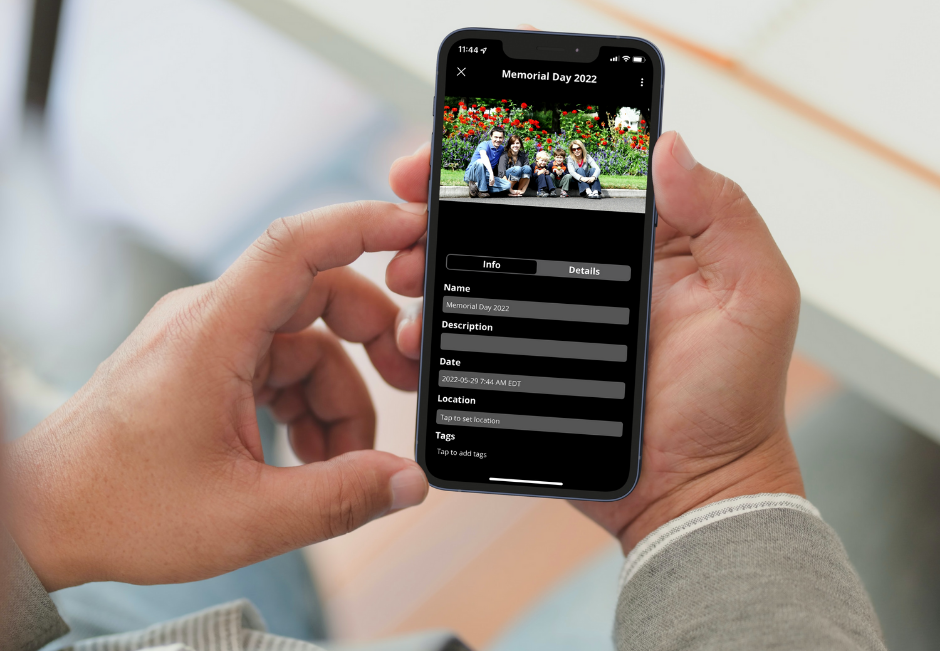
534,347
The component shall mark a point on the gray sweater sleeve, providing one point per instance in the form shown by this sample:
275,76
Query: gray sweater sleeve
28,618
774,577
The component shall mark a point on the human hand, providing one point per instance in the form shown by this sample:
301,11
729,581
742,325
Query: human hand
153,472
724,315
491,180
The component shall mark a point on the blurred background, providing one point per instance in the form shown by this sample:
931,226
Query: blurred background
145,144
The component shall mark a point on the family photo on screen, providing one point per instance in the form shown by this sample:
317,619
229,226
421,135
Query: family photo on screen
501,148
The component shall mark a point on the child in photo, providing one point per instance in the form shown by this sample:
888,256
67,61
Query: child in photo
560,176
543,174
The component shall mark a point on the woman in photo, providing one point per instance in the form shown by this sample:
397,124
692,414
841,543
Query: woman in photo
514,166
583,168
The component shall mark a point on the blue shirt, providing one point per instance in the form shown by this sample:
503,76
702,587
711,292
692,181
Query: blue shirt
492,154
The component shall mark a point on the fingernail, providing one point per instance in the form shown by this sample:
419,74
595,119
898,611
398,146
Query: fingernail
427,143
680,151
409,488
416,208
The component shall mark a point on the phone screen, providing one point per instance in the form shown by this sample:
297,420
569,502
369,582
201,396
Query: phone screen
538,270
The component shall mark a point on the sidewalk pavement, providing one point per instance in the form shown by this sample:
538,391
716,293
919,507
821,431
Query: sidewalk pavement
460,191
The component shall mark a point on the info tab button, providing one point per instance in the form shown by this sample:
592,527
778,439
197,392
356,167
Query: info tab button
492,265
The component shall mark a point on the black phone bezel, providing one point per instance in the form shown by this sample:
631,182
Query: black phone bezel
549,46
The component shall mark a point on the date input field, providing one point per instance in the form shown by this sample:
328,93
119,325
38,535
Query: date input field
558,386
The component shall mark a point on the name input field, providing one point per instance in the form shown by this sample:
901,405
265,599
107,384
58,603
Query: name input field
534,347
536,310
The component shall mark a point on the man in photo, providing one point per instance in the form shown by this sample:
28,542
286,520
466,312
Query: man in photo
479,175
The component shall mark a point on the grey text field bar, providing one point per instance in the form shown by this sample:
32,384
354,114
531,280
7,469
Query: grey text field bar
529,423
534,310
534,347
558,386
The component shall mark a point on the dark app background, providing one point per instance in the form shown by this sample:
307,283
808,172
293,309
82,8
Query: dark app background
534,229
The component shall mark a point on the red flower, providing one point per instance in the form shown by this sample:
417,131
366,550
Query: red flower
530,129
642,121
564,112
524,105
470,132
474,106
516,123
503,101
622,132
603,142
527,138
590,108
549,141
446,107
544,131
597,117
574,113
455,110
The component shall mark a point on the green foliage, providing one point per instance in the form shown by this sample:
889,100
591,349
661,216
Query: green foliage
467,122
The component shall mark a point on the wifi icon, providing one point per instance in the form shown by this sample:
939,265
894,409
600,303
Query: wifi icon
626,58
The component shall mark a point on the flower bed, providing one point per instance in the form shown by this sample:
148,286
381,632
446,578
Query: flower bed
618,151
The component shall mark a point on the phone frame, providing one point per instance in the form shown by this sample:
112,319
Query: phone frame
556,46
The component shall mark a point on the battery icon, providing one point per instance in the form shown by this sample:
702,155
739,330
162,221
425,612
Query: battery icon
637,59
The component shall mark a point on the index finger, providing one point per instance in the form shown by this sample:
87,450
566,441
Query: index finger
265,286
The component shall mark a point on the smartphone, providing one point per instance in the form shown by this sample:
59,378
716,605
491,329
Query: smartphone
539,262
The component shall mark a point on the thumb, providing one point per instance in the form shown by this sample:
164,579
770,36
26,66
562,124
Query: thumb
728,238
311,503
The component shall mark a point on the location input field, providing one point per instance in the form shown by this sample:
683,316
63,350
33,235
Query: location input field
558,386
534,347
529,423
534,310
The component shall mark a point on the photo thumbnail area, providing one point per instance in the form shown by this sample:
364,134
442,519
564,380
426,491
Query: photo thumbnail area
508,150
